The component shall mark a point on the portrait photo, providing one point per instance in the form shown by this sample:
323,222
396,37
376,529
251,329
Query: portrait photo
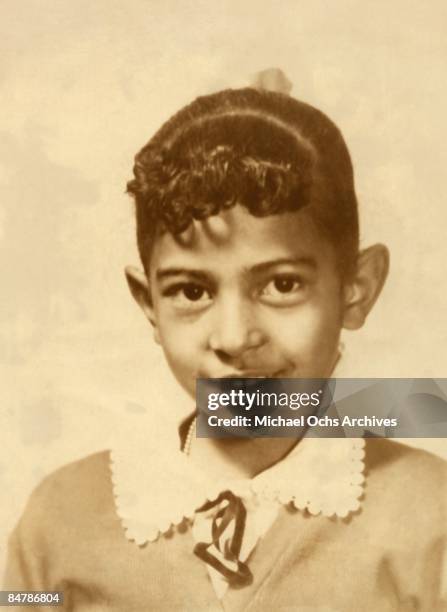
195,190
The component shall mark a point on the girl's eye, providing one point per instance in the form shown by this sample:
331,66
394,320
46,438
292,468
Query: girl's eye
188,296
193,292
285,285
283,289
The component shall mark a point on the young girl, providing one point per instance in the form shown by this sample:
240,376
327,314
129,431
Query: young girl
248,235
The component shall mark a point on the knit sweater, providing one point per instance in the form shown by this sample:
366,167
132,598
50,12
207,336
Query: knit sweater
387,556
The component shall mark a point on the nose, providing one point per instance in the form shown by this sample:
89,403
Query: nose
235,329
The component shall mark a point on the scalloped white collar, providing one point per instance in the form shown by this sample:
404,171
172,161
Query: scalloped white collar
156,488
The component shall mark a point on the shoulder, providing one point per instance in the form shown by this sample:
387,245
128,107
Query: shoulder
386,456
92,474
77,496
405,478
86,481
70,517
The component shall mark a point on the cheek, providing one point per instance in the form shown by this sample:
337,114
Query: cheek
180,354
312,331
180,339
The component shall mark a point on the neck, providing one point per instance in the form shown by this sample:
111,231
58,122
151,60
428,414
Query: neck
240,457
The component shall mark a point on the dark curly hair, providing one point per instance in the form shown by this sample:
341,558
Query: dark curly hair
263,150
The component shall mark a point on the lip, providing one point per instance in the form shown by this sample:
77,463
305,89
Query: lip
249,374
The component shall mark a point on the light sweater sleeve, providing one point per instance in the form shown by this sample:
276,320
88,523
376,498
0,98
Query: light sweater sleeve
64,513
19,570
25,563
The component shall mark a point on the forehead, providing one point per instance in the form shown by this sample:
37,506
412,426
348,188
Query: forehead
237,238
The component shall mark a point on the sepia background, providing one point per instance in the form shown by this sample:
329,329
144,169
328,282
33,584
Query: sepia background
84,85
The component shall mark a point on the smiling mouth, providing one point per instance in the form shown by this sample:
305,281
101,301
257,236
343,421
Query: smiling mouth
252,374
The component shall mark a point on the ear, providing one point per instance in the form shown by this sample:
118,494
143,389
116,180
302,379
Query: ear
140,290
361,293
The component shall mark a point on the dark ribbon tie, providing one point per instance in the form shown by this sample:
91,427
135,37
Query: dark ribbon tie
234,510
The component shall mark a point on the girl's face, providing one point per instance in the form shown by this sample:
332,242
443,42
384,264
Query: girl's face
241,296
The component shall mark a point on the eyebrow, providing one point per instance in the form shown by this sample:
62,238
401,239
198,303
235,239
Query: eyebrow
163,273
301,261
